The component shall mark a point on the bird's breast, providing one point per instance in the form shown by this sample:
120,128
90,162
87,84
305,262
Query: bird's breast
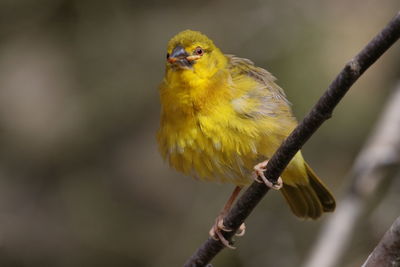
212,146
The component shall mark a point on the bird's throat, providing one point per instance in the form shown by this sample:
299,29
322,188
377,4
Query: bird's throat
186,92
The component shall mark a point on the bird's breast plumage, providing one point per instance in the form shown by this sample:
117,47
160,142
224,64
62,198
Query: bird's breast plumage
218,129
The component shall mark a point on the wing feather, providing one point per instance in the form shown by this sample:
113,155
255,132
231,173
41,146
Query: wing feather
265,98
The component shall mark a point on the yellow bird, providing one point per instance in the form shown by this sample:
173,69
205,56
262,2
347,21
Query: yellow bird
221,116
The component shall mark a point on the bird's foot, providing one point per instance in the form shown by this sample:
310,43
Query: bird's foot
215,231
258,173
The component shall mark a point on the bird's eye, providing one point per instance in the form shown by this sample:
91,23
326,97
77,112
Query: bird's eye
167,55
199,51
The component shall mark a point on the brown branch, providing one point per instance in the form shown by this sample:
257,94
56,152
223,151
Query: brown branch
319,113
387,252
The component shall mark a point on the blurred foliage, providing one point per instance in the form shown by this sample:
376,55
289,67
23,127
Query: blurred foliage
81,181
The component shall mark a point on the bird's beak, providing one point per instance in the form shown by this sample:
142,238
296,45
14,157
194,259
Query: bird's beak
179,58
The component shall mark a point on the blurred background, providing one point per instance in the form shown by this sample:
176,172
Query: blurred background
81,180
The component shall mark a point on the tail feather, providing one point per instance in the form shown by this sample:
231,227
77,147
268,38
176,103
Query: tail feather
325,196
309,200
314,205
295,199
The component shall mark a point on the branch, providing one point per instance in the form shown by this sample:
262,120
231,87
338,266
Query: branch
374,162
387,252
319,113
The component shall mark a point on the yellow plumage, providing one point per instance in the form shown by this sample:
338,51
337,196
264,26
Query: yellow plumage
221,115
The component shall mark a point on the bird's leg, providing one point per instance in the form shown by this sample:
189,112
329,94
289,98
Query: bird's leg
215,231
258,173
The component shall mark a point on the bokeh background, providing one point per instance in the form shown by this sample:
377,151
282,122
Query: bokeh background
81,180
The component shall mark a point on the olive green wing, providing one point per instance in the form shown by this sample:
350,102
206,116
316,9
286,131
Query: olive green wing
264,99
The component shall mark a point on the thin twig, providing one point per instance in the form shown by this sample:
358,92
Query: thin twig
319,113
387,252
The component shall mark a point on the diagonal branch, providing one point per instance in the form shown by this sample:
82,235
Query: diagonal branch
387,252
318,114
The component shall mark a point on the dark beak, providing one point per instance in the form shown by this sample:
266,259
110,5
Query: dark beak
178,57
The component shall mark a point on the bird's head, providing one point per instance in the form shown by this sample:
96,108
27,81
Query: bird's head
192,51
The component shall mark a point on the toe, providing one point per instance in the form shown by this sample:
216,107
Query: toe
224,241
215,232
221,226
242,230
278,184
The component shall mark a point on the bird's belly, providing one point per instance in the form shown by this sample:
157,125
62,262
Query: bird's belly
216,155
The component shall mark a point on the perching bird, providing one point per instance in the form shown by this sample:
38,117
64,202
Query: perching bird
221,116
